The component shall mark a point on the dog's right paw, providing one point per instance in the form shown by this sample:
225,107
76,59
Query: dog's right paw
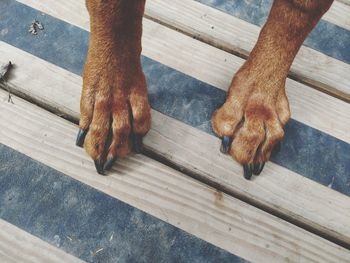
114,110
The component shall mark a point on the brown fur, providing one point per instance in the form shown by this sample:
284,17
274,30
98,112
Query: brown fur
256,109
114,97
257,92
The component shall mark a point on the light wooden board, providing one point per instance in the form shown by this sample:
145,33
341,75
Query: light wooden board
279,189
226,32
219,29
338,14
17,246
347,2
216,67
169,195
235,35
210,65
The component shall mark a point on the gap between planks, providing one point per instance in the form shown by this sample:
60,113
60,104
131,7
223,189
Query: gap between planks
16,245
216,67
164,193
280,191
238,37
226,32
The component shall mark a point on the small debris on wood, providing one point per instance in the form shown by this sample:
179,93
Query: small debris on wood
331,183
35,26
4,70
96,252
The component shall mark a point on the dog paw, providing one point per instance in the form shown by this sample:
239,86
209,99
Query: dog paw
114,110
252,119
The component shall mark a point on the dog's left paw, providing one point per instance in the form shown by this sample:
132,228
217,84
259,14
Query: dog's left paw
251,121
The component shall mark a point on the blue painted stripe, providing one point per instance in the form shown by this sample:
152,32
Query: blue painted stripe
327,38
305,150
60,43
81,220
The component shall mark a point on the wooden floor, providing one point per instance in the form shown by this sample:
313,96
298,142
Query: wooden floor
184,189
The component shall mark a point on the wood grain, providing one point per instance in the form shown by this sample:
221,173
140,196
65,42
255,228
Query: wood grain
237,36
338,14
223,31
279,190
17,246
347,2
216,67
192,57
162,192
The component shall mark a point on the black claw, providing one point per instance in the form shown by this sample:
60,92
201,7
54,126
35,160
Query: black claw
99,167
108,165
81,137
138,145
225,144
248,171
258,167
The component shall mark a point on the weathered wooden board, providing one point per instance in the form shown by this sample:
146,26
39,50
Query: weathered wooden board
338,14
237,36
279,190
216,67
196,59
224,31
158,190
347,2
17,245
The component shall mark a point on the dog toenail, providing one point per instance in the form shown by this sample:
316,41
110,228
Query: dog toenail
258,167
248,171
109,163
99,167
81,137
225,144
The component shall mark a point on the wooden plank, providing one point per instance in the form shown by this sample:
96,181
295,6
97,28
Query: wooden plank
219,29
17,245
237,36
203,62
25,65
347,2
279,190
338,14
216,67
169,195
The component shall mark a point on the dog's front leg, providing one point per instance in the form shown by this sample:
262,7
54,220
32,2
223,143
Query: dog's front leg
256,108
114,104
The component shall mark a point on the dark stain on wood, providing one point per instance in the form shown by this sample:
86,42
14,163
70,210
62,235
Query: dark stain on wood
219,198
